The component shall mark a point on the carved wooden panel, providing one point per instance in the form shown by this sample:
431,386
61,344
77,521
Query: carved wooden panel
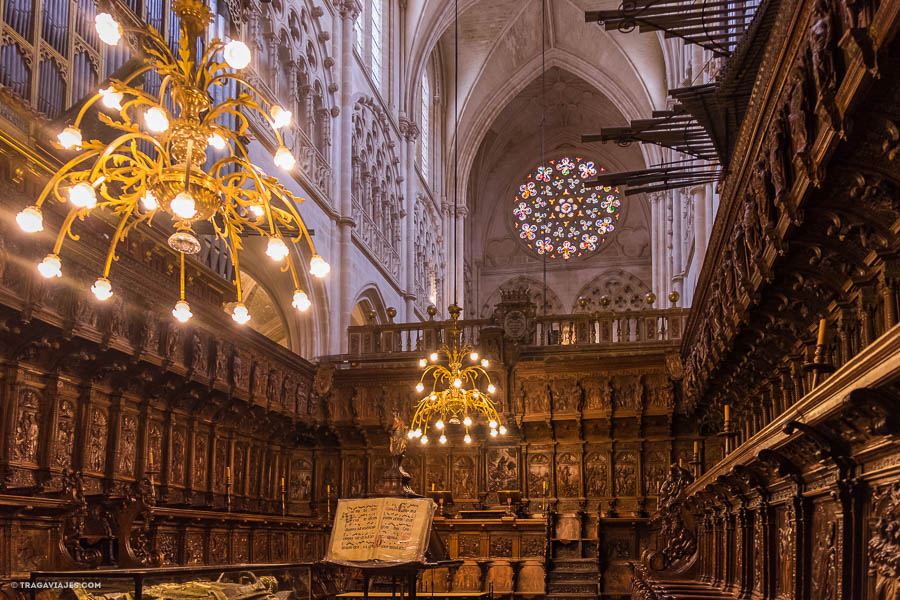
826,550
568,474
539,480
597,473
464,483
354,476
625,481
436,471
502,469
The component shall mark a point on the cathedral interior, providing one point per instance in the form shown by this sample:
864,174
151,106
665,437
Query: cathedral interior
610,288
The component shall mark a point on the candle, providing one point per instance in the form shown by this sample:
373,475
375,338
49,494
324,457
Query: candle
328,490
680,462
823,327
150,460
282,483
727,412
696,447
658,485
545,487
227,473
432,487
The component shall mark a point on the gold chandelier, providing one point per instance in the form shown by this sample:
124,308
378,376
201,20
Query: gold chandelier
157,162
460,402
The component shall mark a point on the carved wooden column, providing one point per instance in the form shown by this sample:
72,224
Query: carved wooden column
743,544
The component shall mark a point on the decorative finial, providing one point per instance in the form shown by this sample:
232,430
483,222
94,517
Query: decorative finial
651,298
673,297
583,302
604,301
454,311
371,315
391,313
432,311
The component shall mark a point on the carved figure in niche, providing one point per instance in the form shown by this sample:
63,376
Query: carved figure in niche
885,541
749,225
200,461
356,477
469,546
538,475
821,45
759,186
198,354
596,393
97,444
27,428
502,472
65,435
253,470
626,392
301,479
798,111
220,462
537,396
824,565
128,448
239,371
239,462
221,361
655,470
597,473
463,477
566,394
567,475
273,386
758,553
155,444
777,142
178,458
436,472
786,553
625,474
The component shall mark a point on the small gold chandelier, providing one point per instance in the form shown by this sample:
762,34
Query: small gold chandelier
461,401
157,162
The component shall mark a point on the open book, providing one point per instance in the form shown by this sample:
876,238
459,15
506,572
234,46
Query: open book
382,529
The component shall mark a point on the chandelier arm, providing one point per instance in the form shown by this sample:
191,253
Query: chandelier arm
111,255
206,65
293,271
151,34
124,82
66,170
234,245
113,146
252,103
66,228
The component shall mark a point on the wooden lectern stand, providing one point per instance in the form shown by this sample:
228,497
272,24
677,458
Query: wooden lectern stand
510,497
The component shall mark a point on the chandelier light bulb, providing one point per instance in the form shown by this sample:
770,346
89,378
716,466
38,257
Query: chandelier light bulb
493,433
277,250
439,424
419,387
183,205
155,120
111,98
108,29
457,383
419,432
467,421
237,54
484,363
280,116
182,311
423,363
433,356
301,301
216,141
424,440
443,439
432,397
502,430
492,424
318,267
240,314
491,388
50,266
284,159
30,220
474,356
102,289
411,434
83,195
69,138
468,438
257,210
149,201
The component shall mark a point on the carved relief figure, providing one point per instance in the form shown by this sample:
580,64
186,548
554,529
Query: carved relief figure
65,435
821,45
537,396
566,395
436,472
625,473
568,475
200,447
596,393
626,392
884,543
154,444
597,474
27,427
798,110
128,447
356,472
301,479
654,469
502,471
221,461
463,477
786,554
97,444
539,475
179,444
777,142
824,559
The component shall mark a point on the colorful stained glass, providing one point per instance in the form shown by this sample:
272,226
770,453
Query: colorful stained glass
557,215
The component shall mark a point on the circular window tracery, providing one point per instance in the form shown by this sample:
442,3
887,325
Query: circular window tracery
557,216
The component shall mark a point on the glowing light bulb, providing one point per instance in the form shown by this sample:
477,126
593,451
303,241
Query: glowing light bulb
484,363
257,210
411,434
457,383
30,220
237,54
439,424
183,205
492,424
423,363
108,29
69,138
420,387
240,314
216,141
149,201
433,356
467,421
156,120
502,430
432,397
182,311
318,267
277,250
419,432
301,301
284,159
467,439
443,439
491,389
83,195
280,117
50,266
424,440
102,289
473,356
493,433
111,98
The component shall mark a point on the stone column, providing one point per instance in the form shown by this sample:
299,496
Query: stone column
460,233
349,9
672,266
701,234
678,247
410,133
655,255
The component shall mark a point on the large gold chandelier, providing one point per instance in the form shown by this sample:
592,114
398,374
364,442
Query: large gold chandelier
157,161
459,401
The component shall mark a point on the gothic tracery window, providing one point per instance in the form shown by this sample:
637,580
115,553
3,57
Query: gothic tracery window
558,215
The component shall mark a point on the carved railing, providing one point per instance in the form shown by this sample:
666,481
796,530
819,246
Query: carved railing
371,236
603,329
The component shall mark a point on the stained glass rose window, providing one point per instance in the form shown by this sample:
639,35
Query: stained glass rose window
557,216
